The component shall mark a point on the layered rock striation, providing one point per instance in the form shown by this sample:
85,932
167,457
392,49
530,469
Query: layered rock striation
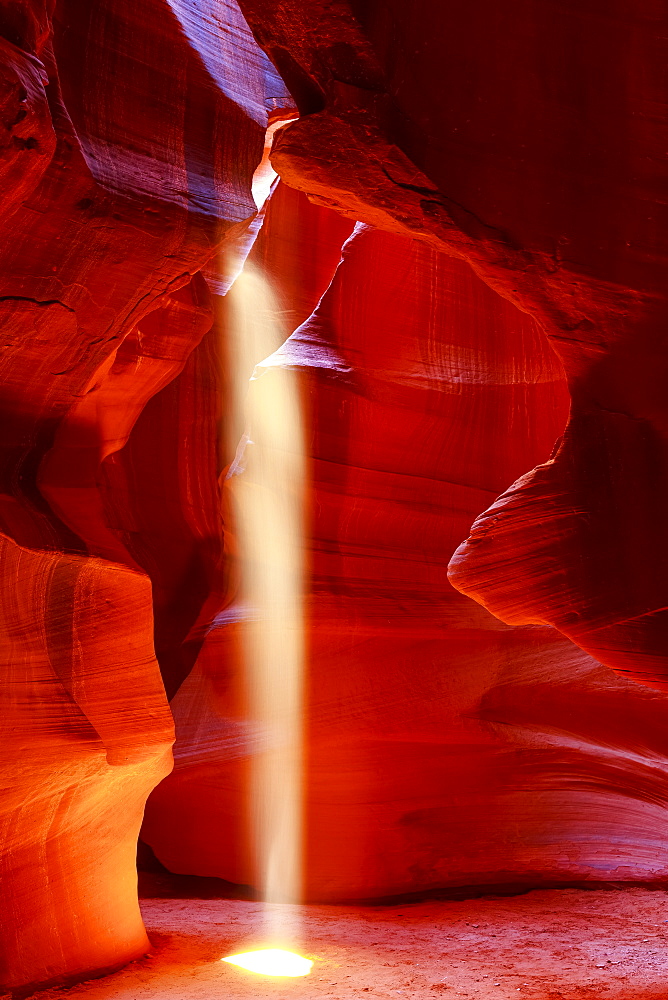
503,164
130,136
444,748
528,140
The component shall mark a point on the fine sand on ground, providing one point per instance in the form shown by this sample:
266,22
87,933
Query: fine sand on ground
553,945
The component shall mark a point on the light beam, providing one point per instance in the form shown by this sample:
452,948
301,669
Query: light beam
272,962
266,483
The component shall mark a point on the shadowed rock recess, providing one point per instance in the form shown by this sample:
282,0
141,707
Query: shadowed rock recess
467,245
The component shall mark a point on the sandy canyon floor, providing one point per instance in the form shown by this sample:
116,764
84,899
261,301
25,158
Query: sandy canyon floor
554,945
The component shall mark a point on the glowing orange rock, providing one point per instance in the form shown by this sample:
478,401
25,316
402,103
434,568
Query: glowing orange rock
114,196
444,748
86,734
552,184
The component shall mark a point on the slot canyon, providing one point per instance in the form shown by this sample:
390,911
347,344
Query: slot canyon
333,487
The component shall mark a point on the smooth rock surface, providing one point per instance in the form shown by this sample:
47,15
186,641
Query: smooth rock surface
530,140
86,734
130,134
447,745
443,747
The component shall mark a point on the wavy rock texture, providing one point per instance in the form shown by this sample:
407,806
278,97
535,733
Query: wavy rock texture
444,748
87,733
529,139
130,137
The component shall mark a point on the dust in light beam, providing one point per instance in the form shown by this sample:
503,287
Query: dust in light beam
266,484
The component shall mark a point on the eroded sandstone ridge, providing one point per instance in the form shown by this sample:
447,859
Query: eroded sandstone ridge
530,139
130,134
444,748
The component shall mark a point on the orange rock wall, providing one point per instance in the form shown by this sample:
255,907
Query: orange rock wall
444,748
528,138
505,162
128,142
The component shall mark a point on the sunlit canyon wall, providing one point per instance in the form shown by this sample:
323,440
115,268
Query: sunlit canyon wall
130,134
496,317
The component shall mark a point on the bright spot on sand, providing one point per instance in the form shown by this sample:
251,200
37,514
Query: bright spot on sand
272,962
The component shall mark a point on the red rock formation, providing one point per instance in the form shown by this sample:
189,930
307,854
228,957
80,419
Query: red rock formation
298,250
524,139
444,748
529,139
160,499
128,146
86,735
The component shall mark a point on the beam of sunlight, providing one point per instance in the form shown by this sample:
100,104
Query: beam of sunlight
266,482
272,962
